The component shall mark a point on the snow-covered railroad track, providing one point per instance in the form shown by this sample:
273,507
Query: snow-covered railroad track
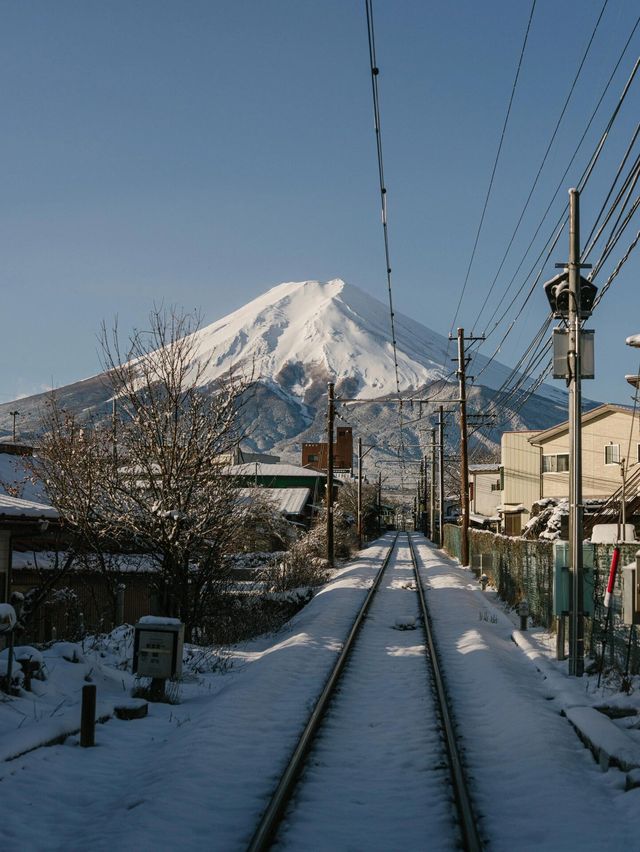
378,757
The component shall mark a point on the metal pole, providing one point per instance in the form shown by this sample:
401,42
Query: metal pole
379,503
464,462
330,416
359,493
423,465
576,638
432,486
441,474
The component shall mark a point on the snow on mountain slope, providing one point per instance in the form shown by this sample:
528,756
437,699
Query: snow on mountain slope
297,332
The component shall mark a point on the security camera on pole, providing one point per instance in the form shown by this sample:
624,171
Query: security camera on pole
571,298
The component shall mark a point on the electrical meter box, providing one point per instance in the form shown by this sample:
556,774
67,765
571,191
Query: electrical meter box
562,578
630,594
157,647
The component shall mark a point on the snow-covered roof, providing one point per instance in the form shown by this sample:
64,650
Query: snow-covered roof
16,507
494,467
477,518
289,501
259,469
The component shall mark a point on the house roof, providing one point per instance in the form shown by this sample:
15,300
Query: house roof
16,507
288,501
494,467
587,417
261,469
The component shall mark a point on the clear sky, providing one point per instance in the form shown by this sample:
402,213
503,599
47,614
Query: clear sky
198,153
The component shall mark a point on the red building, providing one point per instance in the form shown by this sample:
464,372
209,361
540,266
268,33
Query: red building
314,455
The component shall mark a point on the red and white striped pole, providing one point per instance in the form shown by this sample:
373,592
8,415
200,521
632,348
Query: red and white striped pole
615,556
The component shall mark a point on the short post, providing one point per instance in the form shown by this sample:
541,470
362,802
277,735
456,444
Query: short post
560,642
483,581
523,612
88,716
120,603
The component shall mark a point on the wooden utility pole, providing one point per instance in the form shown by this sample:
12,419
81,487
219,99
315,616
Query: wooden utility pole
359,493
379,502
464,453
576,624
432,486
330,419
440,540
464,457
425,496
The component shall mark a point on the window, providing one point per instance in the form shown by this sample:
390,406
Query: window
612,454
555,463
313,457
495,486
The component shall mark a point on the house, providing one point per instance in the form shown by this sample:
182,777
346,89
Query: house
519,479
535,465
314,455
484,495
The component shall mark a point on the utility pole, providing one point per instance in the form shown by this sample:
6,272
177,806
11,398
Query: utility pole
330,418
464,454
359,493
423,465
379,502
14,414
440,478
432,486
576,631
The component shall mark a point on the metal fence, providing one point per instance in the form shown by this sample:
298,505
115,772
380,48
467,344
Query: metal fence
520,568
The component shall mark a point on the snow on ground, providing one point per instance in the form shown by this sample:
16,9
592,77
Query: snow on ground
197,775
377,765
535,784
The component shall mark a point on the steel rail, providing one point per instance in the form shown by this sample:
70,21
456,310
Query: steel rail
470,837
267,827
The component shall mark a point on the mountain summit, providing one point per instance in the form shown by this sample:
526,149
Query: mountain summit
299,335
300,331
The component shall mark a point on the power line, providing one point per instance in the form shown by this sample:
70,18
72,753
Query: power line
375,71
495,166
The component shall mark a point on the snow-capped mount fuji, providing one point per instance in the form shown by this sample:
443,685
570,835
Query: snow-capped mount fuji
298,331
296,337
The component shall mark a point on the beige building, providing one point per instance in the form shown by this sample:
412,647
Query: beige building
520,479
484,494
535,465
610,435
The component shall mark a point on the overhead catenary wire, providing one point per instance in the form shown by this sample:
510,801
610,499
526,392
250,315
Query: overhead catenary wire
383,200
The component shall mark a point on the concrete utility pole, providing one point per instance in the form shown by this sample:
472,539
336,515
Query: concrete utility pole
379,502
330,419
440,541
576,625
432,486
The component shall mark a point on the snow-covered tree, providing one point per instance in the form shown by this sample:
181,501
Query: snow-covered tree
153,480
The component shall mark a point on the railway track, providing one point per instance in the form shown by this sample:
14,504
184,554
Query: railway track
379,751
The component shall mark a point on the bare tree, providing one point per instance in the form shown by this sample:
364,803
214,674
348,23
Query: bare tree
153,480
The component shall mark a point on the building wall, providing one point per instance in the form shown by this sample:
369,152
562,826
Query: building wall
314,454
598,479
486,500
520,471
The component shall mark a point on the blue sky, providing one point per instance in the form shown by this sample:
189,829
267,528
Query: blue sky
198,153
